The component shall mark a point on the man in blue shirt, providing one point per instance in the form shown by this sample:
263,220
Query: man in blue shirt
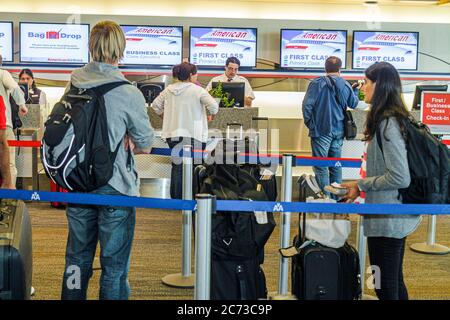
324,117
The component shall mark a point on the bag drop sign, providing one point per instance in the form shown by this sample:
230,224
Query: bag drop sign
54,43
435,112
6,41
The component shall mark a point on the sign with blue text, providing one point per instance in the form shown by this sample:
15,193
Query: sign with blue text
153,45
6,41
213,46
310,48
54,43
398,48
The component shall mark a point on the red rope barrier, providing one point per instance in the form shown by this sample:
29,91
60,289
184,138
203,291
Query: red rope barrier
27,144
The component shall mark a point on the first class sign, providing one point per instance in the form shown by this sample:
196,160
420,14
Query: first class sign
435,112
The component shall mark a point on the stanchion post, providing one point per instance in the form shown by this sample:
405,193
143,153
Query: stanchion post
206,205
362,247
285,234
185,279
430,247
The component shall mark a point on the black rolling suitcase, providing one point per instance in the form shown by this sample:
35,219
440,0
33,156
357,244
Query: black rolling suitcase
16,265
320,272
238,238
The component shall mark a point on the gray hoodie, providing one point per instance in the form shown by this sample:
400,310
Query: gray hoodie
126,113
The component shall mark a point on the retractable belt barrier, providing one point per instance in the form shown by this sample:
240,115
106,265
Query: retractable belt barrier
249,158
225,205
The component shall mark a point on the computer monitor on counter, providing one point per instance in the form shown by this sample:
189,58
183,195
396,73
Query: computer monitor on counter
425,87
235,90
151,90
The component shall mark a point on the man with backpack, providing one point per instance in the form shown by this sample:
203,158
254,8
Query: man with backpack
105,117
324,117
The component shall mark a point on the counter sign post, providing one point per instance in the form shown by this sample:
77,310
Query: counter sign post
435,113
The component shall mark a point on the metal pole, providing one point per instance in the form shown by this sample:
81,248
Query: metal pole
205,209
362,246
285,235
188,169
185,279
430,247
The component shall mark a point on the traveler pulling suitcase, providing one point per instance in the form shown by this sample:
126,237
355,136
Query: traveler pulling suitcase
55,188
238,238
16,266
320,272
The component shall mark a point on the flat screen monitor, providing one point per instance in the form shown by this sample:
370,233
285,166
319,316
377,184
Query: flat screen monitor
302,48
153,45
426,87
398,48
235,90
151,90
54,43
213,46
6,41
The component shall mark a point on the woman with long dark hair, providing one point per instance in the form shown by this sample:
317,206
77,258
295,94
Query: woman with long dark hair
387,171
35,95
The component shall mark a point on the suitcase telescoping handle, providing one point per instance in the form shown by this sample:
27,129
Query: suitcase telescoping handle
235,124
266,119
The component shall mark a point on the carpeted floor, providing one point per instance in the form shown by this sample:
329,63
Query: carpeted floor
157,252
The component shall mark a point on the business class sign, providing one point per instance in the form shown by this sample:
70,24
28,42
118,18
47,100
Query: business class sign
213,46
147,45
54,43
435,112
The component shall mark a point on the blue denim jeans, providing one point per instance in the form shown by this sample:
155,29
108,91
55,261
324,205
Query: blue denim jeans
113,227
329,146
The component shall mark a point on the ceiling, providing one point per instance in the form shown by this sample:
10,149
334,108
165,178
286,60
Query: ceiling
353,2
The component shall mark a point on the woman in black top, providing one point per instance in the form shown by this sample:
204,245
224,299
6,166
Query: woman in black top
35,95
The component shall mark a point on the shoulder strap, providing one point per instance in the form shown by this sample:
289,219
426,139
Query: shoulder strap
336,95
103,89
380,143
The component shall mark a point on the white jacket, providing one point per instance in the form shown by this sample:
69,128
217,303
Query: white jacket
184,106
7,86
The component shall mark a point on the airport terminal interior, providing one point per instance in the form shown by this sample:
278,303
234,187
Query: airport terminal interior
271,38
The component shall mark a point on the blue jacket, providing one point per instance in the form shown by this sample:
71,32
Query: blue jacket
321,113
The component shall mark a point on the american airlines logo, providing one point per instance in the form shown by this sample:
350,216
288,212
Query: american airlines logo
338,164
278,208
35,197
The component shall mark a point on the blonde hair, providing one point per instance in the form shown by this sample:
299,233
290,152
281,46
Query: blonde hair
107,42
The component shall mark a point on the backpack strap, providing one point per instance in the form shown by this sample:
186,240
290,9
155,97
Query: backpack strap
103,89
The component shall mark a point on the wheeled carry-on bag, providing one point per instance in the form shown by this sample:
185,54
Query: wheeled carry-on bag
16,266
320,272
238,238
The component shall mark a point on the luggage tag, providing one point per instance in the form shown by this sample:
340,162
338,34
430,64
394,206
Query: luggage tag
266,174
291,251
261,216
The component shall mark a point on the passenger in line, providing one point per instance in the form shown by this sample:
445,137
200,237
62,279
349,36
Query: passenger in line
184,107
324,117
7,84
129,129
386,172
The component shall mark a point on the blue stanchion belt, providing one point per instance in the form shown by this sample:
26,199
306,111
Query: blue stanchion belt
267,159
224,205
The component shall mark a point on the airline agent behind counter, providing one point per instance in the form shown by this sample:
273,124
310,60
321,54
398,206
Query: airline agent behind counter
35,96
